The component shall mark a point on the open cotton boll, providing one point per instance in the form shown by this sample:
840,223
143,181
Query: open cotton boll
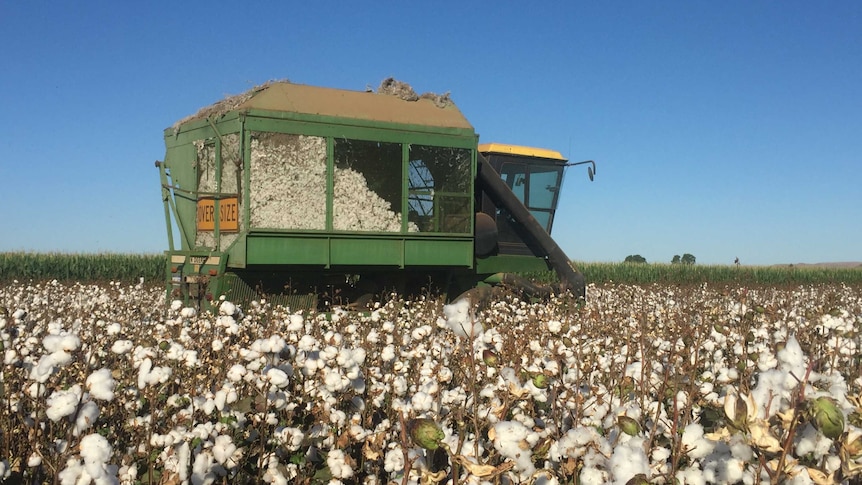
236,372
225,451
775,387
101,384
629,460
46,366
694,444
57,343
458,317
122,346
227,308
515,441
338,465
277,377
96,452
86,416
149,375
63,403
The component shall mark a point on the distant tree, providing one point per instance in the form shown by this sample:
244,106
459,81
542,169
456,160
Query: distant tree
675,259
635,258
688,258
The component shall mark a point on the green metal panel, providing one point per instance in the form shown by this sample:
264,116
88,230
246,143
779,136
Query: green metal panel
287,250
180,160
367,252
431,252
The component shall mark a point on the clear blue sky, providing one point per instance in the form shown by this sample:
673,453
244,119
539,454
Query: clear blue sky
720,129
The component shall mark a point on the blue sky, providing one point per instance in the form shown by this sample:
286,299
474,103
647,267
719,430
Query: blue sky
721,129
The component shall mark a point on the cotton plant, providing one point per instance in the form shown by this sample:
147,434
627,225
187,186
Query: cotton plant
604,393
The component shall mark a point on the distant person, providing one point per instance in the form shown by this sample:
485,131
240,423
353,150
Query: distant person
736,261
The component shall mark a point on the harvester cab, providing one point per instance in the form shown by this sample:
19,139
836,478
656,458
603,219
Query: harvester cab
313,197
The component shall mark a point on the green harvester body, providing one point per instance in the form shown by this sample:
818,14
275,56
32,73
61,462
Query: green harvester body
308,196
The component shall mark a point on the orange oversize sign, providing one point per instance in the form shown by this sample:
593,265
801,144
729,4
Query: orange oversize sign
228,214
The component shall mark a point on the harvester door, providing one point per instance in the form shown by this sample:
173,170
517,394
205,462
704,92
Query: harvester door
543,189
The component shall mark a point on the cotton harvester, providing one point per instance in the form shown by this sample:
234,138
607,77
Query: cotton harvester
310,196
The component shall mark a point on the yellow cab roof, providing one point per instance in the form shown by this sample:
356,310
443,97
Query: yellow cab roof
505,149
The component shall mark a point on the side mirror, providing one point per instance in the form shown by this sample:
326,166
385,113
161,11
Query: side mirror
591,171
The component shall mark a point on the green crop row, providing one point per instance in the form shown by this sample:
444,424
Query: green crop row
130,267
685,274
81,267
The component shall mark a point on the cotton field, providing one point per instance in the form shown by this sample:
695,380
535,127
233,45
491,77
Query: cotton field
111,384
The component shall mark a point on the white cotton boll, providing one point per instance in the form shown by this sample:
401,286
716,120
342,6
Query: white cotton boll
188,313
144,372
236,372
63,403
122,346
217,345
515,441
295,323
36,390
73,473
307,343
291,438
227,308
44,368
87,415
113,328
159,375
225,451
329,353
202,469
190,358
393,462
399,385
338,466
693,442
101,384
458,317
96,452
791,358
628,460
554,326
809,440
691,475
57,343
34,461
250,355
277,377
388,353
60,358
334,381
421,402
176,305
209,406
